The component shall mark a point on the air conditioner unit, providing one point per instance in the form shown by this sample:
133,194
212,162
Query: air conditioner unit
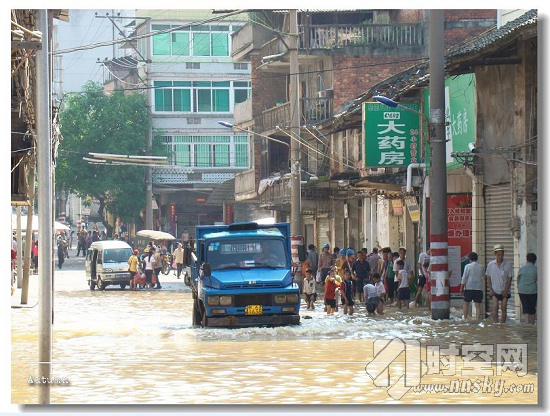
321,94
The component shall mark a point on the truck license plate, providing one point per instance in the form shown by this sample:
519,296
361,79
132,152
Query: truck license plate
253,310
120,275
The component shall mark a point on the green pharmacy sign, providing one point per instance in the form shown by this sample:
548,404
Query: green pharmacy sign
391,135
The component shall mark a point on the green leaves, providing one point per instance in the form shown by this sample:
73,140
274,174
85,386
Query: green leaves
95,122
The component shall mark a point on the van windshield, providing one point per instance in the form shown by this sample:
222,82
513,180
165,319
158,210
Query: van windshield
117,255
228,254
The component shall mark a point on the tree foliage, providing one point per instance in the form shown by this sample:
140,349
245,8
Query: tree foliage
95,122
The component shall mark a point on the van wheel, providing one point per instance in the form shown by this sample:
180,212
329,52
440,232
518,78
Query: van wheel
101,284
123,285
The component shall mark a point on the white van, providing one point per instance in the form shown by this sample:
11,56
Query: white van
107,264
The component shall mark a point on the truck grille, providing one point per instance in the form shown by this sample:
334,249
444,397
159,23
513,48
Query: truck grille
263,299
247,285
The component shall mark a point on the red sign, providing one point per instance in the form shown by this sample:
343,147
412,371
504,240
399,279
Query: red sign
459,222
200,199
172,216
229,214
459,232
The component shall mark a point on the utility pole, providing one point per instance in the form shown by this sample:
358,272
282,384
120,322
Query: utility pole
438,172
45,203
295,169
149,187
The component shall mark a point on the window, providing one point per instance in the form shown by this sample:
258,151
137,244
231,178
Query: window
198,40
161,42
163,96
180,43
207,151
199,96
242,91
241,151
201,44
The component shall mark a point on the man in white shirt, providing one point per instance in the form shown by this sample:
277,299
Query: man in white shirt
407,265
472,286
499,276
425,255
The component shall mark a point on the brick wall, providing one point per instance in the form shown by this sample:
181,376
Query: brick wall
409,16
362,72
470,14
267,88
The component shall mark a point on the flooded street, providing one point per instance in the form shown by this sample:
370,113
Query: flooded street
123,347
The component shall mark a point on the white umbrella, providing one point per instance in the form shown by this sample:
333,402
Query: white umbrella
57,226
155,235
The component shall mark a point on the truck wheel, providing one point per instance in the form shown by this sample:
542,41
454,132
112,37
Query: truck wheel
204,319
123,285
196,313
101,284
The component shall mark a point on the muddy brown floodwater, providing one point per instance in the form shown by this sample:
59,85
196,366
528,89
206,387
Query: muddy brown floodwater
123,347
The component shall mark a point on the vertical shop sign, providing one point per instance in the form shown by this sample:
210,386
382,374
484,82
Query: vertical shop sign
391,135
172,215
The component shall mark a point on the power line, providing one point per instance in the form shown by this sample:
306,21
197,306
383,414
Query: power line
145,35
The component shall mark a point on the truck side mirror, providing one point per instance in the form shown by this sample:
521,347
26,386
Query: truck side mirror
206,269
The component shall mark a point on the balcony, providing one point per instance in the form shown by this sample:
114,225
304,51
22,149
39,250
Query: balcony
249,38
322,39
245,185
275,193
316,110
275,116
242,112
373,35
313,111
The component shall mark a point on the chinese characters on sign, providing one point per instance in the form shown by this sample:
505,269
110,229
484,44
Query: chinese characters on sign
173,218
391,135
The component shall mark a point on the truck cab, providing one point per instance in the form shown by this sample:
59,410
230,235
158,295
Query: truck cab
241,276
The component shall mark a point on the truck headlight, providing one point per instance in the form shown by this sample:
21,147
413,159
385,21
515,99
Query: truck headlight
292,298
278,299
226,300
213,300
108,270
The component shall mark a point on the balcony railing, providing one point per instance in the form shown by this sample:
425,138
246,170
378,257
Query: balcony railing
316,110
277,194
313,110
275,116
376,35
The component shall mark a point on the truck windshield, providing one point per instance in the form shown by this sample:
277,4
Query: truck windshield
116,255
227,254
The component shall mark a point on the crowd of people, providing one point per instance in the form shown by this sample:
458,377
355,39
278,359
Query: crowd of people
145,269
383,277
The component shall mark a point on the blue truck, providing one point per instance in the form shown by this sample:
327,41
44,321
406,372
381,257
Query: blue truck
241,276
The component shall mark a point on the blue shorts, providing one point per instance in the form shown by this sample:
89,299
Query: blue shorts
473,295
372,303
404,293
